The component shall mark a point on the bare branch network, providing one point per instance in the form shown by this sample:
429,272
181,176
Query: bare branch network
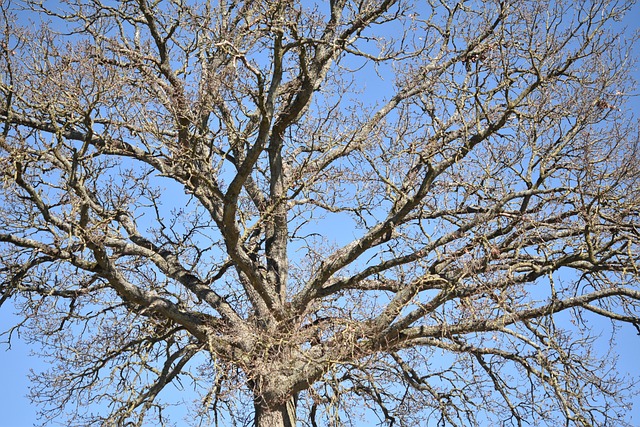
294,212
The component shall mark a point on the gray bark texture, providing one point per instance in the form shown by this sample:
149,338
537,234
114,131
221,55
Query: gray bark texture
281,416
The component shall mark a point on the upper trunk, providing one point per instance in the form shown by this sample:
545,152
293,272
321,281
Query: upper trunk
279,416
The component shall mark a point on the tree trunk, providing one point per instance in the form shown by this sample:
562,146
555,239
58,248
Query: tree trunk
279,416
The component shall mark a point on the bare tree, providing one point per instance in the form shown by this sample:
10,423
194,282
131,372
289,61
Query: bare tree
301,212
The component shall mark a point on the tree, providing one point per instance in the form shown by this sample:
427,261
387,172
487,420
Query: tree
294,211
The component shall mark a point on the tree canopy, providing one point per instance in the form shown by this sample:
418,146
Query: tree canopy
297,212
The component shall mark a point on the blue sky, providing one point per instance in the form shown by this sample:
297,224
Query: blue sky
16,363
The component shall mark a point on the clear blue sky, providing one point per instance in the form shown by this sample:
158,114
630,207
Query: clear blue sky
16,410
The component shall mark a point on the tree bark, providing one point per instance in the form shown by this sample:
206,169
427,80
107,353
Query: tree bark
278,416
